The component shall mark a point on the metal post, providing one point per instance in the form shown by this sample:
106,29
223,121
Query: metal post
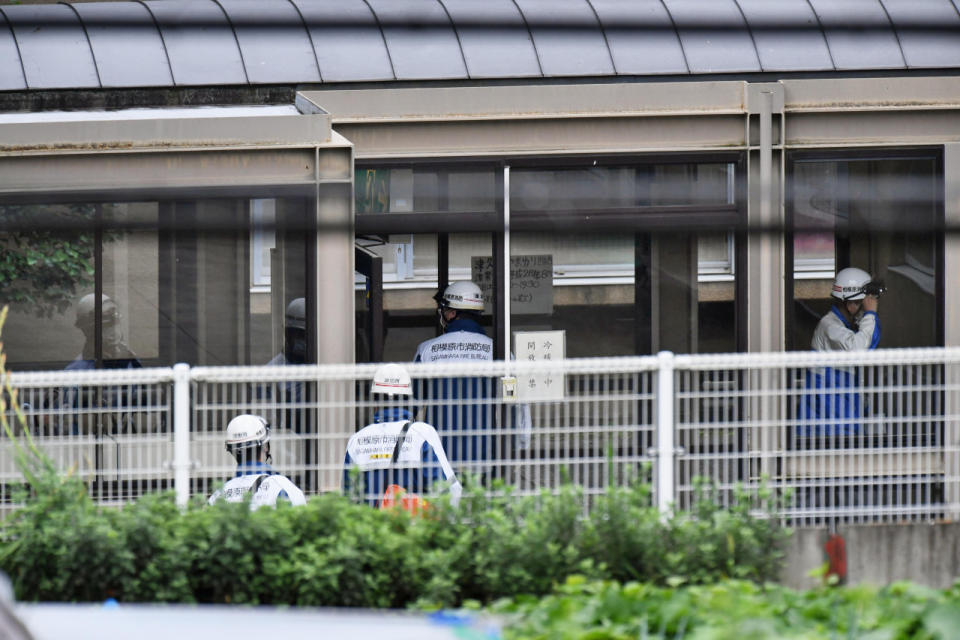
506,250
665,449
181,433
766,189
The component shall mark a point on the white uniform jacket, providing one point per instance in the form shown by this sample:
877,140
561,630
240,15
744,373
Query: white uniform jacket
456,346
419,461
267,488
833,333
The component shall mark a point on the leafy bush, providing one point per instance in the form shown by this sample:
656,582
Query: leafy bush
60,546
732,610
333,552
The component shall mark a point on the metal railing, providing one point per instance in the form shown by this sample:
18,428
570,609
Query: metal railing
838,437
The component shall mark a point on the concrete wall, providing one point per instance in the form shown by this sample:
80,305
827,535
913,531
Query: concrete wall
927,554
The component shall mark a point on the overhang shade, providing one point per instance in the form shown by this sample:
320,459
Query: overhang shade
174,43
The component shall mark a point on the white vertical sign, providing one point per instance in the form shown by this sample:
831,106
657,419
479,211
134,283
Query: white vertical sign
540,346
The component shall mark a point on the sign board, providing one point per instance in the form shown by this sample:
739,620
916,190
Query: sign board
531,282
540,346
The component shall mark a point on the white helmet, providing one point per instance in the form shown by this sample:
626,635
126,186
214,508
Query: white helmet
392,380
849,284
462,295
296,315
246,431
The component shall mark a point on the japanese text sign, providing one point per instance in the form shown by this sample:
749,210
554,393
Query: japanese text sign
540,346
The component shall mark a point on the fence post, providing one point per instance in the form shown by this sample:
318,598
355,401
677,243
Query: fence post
951,441
181,433
665,447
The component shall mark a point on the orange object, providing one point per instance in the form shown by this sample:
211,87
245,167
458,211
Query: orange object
836,550
409,502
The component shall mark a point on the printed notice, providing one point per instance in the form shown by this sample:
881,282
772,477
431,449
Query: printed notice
531,282
540,346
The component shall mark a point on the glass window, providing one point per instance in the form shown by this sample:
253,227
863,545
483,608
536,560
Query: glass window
424,189
583,282
47,263
877,214
410,280
621,293
182,293
621,187
263,241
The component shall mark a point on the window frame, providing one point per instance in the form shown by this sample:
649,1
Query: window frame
934,153
729,217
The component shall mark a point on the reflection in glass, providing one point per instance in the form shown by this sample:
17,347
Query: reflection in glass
625,294
424,190
170,293
46,265
605,187
410,276
879,215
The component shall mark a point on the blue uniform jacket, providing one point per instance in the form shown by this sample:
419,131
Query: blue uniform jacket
831,404
460,404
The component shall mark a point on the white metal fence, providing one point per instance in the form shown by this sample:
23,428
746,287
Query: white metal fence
851,437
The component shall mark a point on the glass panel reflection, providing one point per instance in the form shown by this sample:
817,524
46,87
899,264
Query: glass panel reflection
424,189
605,187
198,291
879,215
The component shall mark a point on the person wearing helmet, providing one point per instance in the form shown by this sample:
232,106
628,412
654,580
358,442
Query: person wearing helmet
831,405
115,354
464,407
395,454
248,441
460,404
62,404
459,307
852,324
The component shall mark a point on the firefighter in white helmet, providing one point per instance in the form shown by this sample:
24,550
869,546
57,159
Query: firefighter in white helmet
852,324
457,405
460,404
459,307
396,454
248,441
832,403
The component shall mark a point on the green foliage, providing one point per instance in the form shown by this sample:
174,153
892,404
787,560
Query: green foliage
732,610
42,268
60,546
334,552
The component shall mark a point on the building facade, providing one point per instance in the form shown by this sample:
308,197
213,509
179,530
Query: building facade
677,175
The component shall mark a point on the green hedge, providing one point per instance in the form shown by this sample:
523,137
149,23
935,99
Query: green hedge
732,610
60,546
333,552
